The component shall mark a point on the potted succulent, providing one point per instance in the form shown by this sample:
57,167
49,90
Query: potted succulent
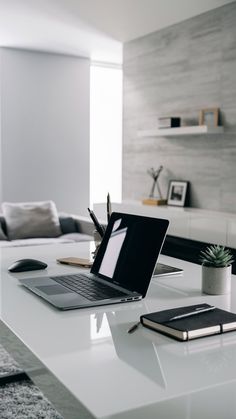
216,269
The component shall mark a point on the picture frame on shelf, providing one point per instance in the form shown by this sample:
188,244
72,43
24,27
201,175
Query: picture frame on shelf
209,117
177,193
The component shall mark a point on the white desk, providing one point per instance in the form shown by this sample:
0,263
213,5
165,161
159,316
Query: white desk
110,373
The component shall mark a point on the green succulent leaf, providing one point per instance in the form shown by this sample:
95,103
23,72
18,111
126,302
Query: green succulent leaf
216,256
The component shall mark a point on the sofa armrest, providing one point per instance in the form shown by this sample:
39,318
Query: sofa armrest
71,223
83,224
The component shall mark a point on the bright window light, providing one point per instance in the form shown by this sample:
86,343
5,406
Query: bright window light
105,133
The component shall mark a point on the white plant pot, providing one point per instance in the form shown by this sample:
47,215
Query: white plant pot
216,280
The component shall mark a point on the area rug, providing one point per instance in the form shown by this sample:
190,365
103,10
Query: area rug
7,363
22,400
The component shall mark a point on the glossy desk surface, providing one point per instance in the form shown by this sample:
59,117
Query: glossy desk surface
114,374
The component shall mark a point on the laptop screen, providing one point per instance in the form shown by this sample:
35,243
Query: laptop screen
129,250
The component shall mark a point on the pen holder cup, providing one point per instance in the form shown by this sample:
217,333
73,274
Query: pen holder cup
97,241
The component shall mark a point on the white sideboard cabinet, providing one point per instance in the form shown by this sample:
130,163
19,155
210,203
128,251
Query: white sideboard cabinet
190,223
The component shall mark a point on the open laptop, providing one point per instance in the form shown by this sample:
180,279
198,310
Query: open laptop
122,269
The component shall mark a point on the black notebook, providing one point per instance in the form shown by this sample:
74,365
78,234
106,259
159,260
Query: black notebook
194,326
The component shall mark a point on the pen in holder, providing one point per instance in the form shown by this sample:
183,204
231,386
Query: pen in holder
98,233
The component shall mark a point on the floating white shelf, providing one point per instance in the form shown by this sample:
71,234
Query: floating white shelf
194,130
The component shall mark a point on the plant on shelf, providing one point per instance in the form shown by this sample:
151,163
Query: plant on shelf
216,263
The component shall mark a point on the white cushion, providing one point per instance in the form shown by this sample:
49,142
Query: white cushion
31,219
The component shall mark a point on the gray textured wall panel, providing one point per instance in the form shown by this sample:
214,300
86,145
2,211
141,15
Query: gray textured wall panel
178,71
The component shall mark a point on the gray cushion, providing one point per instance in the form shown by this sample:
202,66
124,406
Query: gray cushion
3,224
31,219
2,234
67,223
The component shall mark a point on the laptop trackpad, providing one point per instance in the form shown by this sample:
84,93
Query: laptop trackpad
53,289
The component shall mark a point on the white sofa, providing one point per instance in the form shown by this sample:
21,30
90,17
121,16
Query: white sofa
74,229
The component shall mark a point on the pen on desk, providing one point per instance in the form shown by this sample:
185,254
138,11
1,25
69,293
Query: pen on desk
108,207
133,328
198,310
96,223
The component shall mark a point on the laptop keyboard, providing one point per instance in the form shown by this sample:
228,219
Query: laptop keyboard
87,287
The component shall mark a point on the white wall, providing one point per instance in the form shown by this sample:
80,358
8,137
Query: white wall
178,71
45,128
